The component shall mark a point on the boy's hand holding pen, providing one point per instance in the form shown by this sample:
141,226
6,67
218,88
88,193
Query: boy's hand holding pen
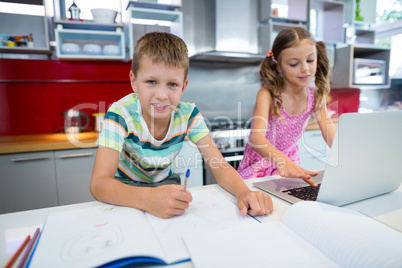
186,180
176,199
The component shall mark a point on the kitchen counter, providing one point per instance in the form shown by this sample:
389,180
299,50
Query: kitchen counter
47,142
62,141
313,125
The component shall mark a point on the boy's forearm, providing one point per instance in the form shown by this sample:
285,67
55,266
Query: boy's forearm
231,181
110,190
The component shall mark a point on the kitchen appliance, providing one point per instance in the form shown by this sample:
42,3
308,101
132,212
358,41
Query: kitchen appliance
92,49
74,11
70,48
228,37
73,121
104,15
111,50
230,138
369,72
98,121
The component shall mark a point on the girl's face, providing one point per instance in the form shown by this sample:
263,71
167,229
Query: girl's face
298,64
159,89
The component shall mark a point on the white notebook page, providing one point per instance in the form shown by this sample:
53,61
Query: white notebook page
209,211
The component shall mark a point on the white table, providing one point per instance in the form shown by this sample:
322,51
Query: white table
14,227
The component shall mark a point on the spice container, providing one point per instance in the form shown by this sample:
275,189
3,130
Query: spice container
98,121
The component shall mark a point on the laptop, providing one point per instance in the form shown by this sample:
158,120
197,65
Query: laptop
364,161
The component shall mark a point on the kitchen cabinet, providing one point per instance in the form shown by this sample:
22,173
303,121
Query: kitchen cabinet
276,15
190,158
27,181
368,11
360,31
89,33
73,175
313,150
62,177
270,30
326,20
23,25
143,18
45,179
343,71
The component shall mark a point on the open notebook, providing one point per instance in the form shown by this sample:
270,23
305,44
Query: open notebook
312,234
364,162
114,236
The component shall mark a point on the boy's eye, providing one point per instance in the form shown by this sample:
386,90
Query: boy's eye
172,85
151,82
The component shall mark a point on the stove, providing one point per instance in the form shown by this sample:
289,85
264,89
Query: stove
230,140
230,137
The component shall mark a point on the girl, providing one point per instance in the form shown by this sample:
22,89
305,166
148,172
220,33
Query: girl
284,105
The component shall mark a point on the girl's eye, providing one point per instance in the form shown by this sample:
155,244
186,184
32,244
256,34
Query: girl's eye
293,65
310,60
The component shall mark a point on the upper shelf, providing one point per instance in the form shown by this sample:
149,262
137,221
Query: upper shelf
173,5
88,25
25,50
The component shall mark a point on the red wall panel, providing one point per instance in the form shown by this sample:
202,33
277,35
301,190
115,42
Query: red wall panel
35,93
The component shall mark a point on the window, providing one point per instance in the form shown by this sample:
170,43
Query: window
389,32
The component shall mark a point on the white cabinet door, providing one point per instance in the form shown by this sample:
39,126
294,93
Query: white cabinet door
73,173
27,181
313,150
190,158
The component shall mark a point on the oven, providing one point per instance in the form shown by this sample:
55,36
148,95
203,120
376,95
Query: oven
230,141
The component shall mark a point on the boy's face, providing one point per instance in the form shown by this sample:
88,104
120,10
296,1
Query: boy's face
159,88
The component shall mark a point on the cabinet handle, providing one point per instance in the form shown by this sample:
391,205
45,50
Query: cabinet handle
29,159
75,155
233,158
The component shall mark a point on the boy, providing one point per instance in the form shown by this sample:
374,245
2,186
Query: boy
144,131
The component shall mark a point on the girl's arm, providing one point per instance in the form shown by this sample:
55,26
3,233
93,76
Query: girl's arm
251,202
163,201
285,166
325,123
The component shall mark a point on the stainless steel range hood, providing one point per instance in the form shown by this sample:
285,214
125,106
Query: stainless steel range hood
224,31
227,57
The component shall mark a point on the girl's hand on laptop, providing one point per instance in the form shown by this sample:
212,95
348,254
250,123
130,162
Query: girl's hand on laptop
291,170
167,201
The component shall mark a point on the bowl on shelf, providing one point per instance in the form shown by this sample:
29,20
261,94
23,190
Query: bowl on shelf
92,49
70,48
104,15
111,50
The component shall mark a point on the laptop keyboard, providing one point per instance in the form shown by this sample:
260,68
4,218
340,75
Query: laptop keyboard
304,193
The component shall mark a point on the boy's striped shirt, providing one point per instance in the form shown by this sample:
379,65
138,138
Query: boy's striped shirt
142,158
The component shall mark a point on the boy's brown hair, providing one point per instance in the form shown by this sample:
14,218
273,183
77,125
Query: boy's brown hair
161,47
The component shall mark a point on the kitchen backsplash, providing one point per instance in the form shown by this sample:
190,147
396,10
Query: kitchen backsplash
35,93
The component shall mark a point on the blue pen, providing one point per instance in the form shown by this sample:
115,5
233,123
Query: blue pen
186,180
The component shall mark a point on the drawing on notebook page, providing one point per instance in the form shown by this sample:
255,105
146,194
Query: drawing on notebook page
97,238
131,235
92,242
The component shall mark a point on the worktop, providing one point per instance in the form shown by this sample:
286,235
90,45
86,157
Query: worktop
60,141
47,142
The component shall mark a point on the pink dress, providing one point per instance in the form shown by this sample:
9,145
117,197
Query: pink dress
284,134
